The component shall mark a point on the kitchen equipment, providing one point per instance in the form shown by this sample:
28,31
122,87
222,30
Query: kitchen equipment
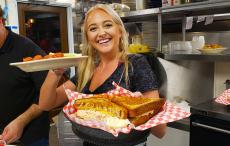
198,42
130,3
173,46
141,4
211,51
155,3
193,1
227,82
136,39
185,1
209,124
120,7
180,46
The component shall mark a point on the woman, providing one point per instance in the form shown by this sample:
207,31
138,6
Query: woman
105,43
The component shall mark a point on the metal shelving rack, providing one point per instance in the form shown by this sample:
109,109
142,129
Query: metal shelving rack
179,13
153,14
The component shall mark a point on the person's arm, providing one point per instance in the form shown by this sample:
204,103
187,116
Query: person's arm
14,129
50,95
160,130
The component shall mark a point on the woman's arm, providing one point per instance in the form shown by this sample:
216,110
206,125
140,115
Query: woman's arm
160,130
50,95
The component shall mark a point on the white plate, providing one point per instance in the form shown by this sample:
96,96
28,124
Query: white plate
212,51
52,63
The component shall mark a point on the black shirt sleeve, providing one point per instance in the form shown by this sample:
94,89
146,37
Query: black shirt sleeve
31,49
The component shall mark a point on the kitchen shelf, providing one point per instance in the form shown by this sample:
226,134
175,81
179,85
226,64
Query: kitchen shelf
177,56
141,15
198,8
178,12
212,109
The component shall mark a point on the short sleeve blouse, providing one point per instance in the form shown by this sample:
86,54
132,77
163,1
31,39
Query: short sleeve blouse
141,77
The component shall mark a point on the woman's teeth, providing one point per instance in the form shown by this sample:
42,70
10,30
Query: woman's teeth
103,41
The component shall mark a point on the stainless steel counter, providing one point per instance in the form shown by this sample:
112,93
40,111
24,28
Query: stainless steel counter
196,56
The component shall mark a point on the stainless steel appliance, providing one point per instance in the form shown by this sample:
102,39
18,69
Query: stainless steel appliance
210,124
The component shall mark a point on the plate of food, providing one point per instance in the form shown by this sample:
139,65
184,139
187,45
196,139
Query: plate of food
119,110
212,49
51,61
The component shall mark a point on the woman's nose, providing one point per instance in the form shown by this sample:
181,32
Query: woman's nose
101,32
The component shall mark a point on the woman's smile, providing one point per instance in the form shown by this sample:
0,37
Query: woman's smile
103,41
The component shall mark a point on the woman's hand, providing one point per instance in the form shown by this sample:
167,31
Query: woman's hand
13,131
138,94
159,130
58,71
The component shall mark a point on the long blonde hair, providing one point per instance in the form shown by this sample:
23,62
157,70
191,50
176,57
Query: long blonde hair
86,68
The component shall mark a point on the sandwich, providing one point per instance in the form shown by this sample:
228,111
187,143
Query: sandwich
102,105
140,109
118,111
102,110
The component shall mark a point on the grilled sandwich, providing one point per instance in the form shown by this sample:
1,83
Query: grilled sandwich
102,105
118,111
139,105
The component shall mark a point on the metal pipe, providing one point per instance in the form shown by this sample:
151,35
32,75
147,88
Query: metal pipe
184,28
159,31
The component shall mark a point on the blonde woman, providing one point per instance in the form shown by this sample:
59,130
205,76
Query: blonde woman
105,42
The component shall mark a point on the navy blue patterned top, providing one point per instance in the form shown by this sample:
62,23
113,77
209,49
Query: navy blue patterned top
142,79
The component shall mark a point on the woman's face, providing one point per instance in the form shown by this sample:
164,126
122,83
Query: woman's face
102,32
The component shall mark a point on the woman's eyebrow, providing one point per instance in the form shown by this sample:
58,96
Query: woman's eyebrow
107,21
94,24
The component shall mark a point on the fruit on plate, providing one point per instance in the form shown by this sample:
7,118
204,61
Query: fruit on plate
212,46
39,57
138,48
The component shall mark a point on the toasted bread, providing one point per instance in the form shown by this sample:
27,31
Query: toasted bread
228,98
138,110
139,105
102,105
139,120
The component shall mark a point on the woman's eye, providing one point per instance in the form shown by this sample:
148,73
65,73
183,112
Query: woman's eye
92,29
108,25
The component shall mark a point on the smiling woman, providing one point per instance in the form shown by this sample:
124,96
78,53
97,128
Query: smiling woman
104,33
105,43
